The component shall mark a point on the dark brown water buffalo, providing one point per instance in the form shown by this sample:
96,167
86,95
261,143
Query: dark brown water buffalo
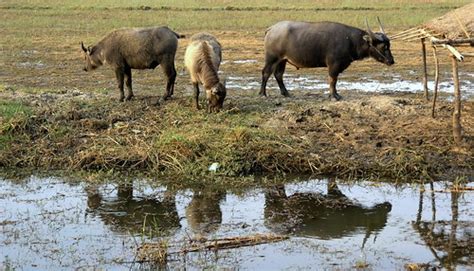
135,48
322,44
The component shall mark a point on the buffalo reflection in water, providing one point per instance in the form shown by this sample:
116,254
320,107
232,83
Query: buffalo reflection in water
328,216
204,213
126,213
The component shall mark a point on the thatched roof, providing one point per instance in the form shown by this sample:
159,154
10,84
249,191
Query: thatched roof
452,25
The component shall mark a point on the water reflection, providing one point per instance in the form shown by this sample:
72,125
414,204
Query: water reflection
330,225
450,241
326,216
204,213
126,213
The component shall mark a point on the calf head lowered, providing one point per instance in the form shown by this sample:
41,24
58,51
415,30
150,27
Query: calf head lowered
215,97
92,60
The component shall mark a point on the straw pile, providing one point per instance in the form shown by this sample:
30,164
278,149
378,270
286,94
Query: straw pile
449,25
458,23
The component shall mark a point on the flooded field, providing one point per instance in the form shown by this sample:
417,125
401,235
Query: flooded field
375,84
48,223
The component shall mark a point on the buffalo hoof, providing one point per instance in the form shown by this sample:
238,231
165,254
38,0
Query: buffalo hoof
286,94
129,97
262,94
156,103
336,96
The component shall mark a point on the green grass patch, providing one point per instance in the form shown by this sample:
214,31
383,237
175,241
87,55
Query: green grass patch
13,115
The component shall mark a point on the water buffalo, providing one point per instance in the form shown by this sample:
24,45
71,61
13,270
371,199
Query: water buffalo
202,59
322,44
135,48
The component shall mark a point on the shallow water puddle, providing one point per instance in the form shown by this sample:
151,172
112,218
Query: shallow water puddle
392,83
46,223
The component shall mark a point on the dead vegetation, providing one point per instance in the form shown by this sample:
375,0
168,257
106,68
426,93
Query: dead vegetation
157,252
366,135
455,23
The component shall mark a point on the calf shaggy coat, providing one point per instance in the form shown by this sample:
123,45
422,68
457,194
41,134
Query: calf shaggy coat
202,59
137,48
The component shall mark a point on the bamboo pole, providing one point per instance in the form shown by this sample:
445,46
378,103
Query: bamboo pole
445,44
425,73
399,34
457,103
452,41
412,36
435,90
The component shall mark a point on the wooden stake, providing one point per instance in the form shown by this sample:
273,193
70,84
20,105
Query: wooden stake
425,73
435,90
457,103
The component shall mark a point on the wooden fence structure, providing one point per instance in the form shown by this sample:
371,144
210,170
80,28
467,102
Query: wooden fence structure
439,39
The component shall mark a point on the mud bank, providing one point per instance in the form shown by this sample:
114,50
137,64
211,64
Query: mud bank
365,135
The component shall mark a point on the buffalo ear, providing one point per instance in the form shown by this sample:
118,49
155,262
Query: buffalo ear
367,38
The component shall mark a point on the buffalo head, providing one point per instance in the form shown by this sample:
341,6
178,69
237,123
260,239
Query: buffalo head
91,58
379,45
216,96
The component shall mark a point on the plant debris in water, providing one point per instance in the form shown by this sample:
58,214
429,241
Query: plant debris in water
157,252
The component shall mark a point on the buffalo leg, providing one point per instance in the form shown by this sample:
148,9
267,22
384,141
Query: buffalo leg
334,70
128,82
170,72
266,72
279,70
119,74
332,88
196,95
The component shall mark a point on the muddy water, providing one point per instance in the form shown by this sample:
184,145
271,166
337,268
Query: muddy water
50,224
392,83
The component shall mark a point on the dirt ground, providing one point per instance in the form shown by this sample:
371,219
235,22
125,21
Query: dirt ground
77,122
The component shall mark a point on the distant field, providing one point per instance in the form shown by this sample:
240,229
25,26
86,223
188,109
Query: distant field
40,39
54,16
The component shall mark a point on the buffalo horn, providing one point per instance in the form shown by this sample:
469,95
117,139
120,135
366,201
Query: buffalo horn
83,47
381,26
368,28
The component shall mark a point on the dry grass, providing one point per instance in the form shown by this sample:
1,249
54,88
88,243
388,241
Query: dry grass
157,253
455,23
372,136
72,120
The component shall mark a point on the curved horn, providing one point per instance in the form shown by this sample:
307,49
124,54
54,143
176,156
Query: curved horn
381,26
83,47
368,28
